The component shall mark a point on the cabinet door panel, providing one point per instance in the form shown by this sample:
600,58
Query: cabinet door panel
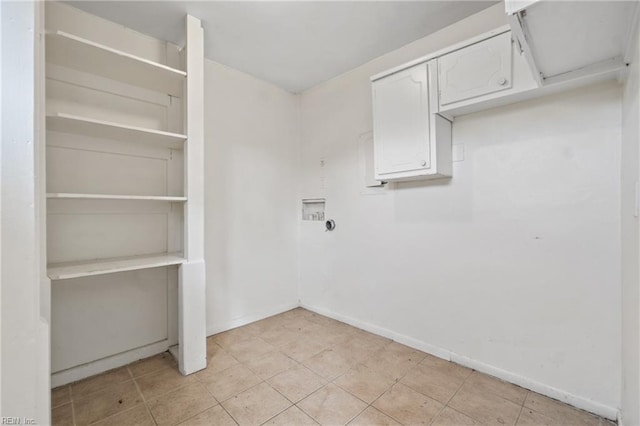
476,70
401,121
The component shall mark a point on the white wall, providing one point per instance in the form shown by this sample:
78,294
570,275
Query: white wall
511,267
24,364
630,250
251,157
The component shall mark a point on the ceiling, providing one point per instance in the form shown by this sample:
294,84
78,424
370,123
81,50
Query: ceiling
293,44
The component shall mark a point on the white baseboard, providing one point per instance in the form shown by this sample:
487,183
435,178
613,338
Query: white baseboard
603,410
105,364
249,318
541,388
621,421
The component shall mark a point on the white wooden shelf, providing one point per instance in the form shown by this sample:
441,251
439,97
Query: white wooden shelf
68,123
76,196
66,270
85,55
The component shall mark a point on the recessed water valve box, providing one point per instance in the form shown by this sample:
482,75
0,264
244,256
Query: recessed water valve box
313,209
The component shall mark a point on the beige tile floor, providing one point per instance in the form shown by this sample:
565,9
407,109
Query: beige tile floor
300,368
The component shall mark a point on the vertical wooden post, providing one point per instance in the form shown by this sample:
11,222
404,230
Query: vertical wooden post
43,383
191,288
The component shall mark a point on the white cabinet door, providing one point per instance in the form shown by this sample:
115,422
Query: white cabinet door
401,122
475,70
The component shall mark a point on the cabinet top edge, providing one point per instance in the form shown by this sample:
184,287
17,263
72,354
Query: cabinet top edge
457,46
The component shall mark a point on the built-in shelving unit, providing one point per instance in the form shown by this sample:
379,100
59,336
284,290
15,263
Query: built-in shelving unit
124,196
68,270
71,196
78,53
69,123
96,58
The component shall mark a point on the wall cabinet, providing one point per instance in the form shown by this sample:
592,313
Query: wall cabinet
410,142
401,111
414,103
477,70
483,73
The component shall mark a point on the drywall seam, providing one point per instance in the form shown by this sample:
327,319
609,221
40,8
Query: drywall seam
525,382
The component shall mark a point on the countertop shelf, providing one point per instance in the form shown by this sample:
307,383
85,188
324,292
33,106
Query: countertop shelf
66,270
85,55
69,123
76,196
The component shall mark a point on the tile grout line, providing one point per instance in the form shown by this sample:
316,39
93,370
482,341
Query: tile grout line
281,411
279,372
206,389
71,401
196,381
379,396
115,414
357,415
302,409
73,412
229,414
494,394
519,414
369,404
182,386
148,373
522,407
144,400
200,412
445,405
64,403
332,381
233,396
399,381
283,395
